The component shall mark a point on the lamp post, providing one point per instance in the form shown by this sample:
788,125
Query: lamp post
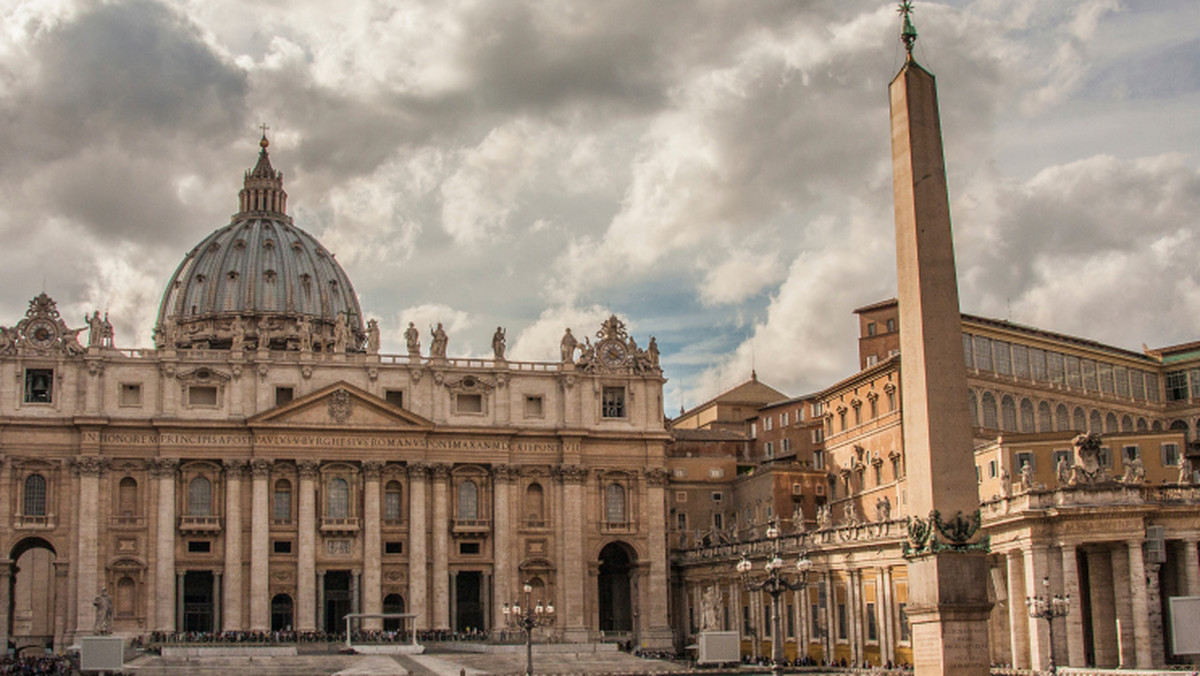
775,584
526,617
1047,607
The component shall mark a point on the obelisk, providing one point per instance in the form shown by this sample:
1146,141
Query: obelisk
948,606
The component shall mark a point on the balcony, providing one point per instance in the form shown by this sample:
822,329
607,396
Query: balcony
472,526
24,522
617,527
339,524
199,524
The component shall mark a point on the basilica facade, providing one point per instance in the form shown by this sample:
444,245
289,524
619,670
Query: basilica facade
264,467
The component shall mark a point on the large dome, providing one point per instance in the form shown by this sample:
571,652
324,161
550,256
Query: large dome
260,282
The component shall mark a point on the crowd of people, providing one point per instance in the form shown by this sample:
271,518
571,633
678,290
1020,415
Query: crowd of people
842,663
45,665
289,636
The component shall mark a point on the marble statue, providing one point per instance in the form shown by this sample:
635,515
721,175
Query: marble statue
710,610
499,341
437,345
567,347
412,339
95,329
372,337
104,613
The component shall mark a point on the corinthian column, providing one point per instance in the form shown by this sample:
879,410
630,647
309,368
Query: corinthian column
372,577
306,549
571,583
502,530
441,547
231,620
418,571
260,520
88,469
163,469
657,631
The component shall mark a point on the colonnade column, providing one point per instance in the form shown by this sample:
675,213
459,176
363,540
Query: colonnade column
1140,605
231,620
179,608
573,578
1191,567
502,481
260,563
1018,619
418,573
1074,619
88,469
887,641
372,575
1036,569
163,469
441,547
6,568
306,548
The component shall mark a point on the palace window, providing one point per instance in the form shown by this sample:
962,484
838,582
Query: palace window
392,494
35,495
468,501
1170,455
613,402
872,626
535,501
130,394
283,501
200,497
337,505
394,397
39,386
284,395
1131,453
468,403
614,503
1177,386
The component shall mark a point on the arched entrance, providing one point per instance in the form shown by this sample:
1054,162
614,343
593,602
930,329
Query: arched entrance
615,585
392,603
31,594
281,613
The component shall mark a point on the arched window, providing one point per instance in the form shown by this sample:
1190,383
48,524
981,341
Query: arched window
1110,423
989,411
127,496
1095,422
468,500
973,406
1062,418
1027,423
1156,426
1126,424
200,497
283,501
614,503
1008,414
1045,418
535,500
392,603
1079,423
35,495
125,601
392,504
281,612
1141,425
337,505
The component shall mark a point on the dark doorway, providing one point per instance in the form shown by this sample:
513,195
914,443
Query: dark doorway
31,593
392,603
337,600
468,610
616,611
198,600
281,613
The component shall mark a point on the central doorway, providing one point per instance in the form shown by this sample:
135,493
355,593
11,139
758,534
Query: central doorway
337,600
198,600
616,610
468,610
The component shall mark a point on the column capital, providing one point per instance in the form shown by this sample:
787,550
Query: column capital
418,470
372,469
260,468
88,466
307,468
505,473
440,470
163,467
569,474
234,469
656,476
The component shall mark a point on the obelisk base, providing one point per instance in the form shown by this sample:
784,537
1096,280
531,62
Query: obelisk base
948,611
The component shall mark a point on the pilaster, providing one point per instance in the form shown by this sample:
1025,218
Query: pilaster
260,563
231,620
1074,619
573,579
418,571
163,470
306,548
441,546
372,576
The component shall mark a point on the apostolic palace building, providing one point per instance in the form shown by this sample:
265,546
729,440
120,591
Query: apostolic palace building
264,467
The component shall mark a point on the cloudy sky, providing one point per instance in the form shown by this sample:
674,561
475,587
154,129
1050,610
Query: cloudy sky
717,173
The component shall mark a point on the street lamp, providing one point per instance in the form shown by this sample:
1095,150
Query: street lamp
1048,607
526,617
775,584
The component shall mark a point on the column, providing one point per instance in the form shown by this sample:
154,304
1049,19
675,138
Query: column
218,618
372,574
163,469
179,586
887,637
61,593
656,633
6,598
502,530
1018,617
1036,569
306,549
356,591
88,469
260,543
319,584
852,617
1191,567
1075,656
1105,638
441,547
571,530
235,470
1140,606
1122,598
418,571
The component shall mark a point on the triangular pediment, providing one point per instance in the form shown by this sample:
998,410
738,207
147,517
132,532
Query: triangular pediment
341,405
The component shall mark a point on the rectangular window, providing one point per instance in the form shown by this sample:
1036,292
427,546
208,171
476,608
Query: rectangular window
745,620
1152,387
814,612
39,386
716,472
717,496
1130,453
681,521
872,626
905,631
394,397
1020,355
1194,376
199,546
872,360
968,352
818,459
791,621
1074,375
468,548
681,496
202,396
1037,364
391,505
770,450
283,395
1105,374
1002,357
767,620
786,445
282,546
393,547
983,353
1056,368
131,394
533,407
783,418
1121,374
1137,383
1170,455
767,426
468,403
870,328
1105,456
718,521
1023,458
842,625
1090,381
283,505
991,469
818,435
612,403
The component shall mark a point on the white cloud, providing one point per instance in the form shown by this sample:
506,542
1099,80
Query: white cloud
741,275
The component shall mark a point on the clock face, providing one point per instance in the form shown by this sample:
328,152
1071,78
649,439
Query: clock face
613,353
41,333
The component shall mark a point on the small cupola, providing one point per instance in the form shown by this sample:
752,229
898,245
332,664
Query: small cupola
262,188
